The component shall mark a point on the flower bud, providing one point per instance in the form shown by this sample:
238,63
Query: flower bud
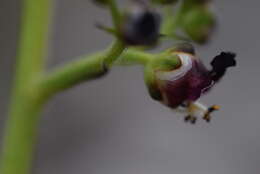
198,23
140,26
164,2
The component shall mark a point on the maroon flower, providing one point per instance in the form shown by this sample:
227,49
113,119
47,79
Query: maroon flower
185,85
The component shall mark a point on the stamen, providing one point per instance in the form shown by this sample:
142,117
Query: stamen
213,108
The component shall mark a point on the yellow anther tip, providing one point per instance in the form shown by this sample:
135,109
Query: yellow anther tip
216,107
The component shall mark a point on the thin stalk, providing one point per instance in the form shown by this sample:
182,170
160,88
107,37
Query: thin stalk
22,123
171,20
89,67
168,25
115,14
86,68
134,57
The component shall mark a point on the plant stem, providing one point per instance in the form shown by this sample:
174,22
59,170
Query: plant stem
86,68
134,57
115,13
171,20
168,24
28,96
89,67
21,126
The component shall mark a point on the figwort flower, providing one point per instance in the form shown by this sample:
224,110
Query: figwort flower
181,87
140,25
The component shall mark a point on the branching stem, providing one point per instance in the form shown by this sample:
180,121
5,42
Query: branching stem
33,87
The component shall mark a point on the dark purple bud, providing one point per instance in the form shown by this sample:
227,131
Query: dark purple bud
140,26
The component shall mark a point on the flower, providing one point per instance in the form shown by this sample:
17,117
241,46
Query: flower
181,87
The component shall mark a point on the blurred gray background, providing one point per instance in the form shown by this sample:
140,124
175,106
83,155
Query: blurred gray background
112,126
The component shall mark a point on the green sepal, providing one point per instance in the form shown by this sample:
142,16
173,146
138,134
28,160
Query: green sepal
150,81
166,61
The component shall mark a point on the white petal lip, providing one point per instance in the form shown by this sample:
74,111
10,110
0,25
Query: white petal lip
186,66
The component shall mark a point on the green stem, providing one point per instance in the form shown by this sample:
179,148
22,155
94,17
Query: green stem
134,57
28,96
19,140
89,67
168,24
171,21
115,13
86,68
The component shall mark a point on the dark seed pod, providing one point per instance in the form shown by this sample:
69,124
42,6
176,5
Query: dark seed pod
164,2
140,26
